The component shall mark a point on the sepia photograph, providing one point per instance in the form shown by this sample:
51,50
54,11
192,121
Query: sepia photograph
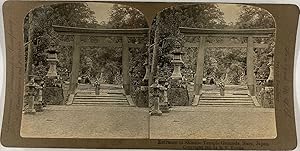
101,70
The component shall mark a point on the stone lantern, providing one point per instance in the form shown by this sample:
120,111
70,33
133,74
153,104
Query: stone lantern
39,96
156,88
53,92
164,104
177,62
31,85
52,60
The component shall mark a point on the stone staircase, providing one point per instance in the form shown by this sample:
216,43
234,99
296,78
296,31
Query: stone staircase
110,95
235,95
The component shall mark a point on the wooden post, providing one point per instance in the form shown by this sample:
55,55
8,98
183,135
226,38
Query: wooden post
125,65
75,65
250,66
199,71
200,66
30,47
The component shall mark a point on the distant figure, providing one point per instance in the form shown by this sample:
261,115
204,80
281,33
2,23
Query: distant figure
212,81
204,81
79,79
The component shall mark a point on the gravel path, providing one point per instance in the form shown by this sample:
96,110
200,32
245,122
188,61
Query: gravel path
87,122
133,122
215,123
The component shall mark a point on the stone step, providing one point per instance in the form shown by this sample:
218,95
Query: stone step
101,94
226,92
100,97
225,101
103,91
101,104
226,87
106,103
224,98
227,105
99,100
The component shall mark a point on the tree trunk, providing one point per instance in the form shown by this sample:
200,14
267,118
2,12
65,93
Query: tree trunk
30,48
155,50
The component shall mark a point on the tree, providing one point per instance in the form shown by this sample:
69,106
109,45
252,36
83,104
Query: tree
66,14
254,17
125,17
196,16
258,18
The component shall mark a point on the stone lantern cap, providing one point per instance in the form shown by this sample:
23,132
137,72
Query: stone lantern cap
31,83
156,85
52,60
177,52
177,61
177,56
52,49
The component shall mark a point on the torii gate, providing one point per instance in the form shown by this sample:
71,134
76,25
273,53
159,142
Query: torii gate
77,44
202,44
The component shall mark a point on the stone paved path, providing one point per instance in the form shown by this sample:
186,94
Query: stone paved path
215,123
87,122
133,122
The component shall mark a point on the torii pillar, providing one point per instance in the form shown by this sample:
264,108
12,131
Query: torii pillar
125,65
250,66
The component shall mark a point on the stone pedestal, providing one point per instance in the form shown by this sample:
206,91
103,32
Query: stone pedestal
53,95
142,97
155,96
39,104
268,97
164,104
39,99
156,111
31,93
178,96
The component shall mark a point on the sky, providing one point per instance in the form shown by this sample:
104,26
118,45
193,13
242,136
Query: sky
102,11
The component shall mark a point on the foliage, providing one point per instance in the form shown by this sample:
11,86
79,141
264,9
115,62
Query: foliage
258,18
168,22
123,16
219,63
66,14
255,17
